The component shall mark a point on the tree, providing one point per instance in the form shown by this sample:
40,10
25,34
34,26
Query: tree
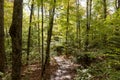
118,4
49,34
2,47
90,9
42,25
38,25
105,9
29,32
78,23
104,17
67,26
87,26
16,36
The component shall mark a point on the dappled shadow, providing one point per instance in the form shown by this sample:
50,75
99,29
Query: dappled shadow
66,69
61,68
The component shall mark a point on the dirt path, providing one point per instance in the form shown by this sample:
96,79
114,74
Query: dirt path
65,71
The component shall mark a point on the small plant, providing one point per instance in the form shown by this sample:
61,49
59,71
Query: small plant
83,75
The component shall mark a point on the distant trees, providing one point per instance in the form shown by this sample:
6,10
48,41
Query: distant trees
76,27
2,47
16,36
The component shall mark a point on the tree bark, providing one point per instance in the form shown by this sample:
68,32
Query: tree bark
104,17
49,34
118,4
38,25
67,26
42,30
87,26
29,32
78,24
90,10
42,25
2,46
16,35
105,9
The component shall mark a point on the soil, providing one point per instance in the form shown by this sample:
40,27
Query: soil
61,68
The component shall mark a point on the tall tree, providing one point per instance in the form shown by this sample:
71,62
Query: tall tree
105,9
2,47
16,35
90,10
42,25
49,34
29,32
104,17
118,4
77,23
67,26
87,26
38,24
88,22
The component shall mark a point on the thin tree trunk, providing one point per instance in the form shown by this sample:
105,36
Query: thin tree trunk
38,24
104,17
90,11
118,4
2,46
42,25
78,24
116,7
87,26
29,33
42,34
67,26
105,9
16,35
49,34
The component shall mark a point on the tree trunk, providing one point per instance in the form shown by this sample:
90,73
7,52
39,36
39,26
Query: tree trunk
87,26
29,33
105,9
67,26
42,33
90,11
118,4
77,24
38,25
49,34
2,46
42,25
104,17
16,35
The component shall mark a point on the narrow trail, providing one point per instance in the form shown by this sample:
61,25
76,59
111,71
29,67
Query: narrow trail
66,69
61,69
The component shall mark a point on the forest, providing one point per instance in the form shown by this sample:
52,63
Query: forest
59,39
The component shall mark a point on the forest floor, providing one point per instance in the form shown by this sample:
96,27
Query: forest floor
62,68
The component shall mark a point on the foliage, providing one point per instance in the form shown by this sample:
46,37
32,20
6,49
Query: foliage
107,69
102,58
